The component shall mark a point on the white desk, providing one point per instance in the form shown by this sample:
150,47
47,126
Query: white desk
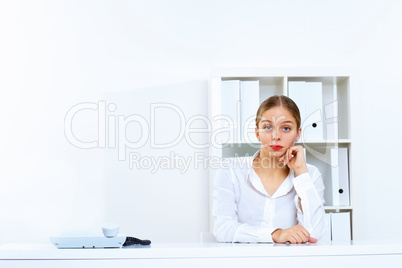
354,254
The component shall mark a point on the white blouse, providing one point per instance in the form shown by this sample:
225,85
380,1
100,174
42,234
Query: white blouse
243,211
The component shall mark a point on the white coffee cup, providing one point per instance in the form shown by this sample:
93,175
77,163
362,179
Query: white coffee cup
110,229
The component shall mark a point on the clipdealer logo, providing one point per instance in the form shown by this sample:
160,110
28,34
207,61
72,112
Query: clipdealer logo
112,133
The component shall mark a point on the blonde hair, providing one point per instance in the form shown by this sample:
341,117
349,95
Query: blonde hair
282,101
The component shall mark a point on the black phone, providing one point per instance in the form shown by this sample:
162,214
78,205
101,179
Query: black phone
136,241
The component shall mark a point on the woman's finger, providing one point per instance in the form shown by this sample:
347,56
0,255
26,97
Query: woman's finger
302,235
292,240
294,151
289,155
302,229
299,237
282,158
305,232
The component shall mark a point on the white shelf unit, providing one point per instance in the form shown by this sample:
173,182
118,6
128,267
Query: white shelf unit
336,87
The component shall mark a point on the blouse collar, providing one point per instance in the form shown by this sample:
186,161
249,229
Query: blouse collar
255,180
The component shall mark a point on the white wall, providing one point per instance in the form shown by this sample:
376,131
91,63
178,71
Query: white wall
57,54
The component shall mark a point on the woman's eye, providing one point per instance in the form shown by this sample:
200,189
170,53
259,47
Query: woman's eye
267,127
286,128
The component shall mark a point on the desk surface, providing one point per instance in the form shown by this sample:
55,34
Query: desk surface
200,250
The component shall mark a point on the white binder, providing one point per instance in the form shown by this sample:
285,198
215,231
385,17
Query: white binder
332,131
331,114
340,177
308,97
313,123
340,227
231,109
250,101
297,92
343,177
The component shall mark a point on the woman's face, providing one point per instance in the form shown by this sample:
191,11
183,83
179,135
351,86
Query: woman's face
277,131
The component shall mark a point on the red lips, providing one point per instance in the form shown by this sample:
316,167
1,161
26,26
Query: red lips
276,147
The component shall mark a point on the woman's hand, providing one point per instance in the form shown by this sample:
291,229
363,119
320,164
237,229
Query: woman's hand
295,235
294,158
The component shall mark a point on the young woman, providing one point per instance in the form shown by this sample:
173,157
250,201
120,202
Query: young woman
273,196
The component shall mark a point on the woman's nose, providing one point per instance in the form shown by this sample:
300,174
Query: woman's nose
275,135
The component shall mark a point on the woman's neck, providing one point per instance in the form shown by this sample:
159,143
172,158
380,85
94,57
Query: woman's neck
269,164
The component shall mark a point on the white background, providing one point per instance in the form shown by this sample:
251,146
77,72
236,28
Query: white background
57,54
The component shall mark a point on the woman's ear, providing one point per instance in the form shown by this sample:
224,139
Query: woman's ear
257,134
298,135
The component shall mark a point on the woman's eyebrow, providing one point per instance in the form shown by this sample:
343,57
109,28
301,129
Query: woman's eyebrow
287,122
282,122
